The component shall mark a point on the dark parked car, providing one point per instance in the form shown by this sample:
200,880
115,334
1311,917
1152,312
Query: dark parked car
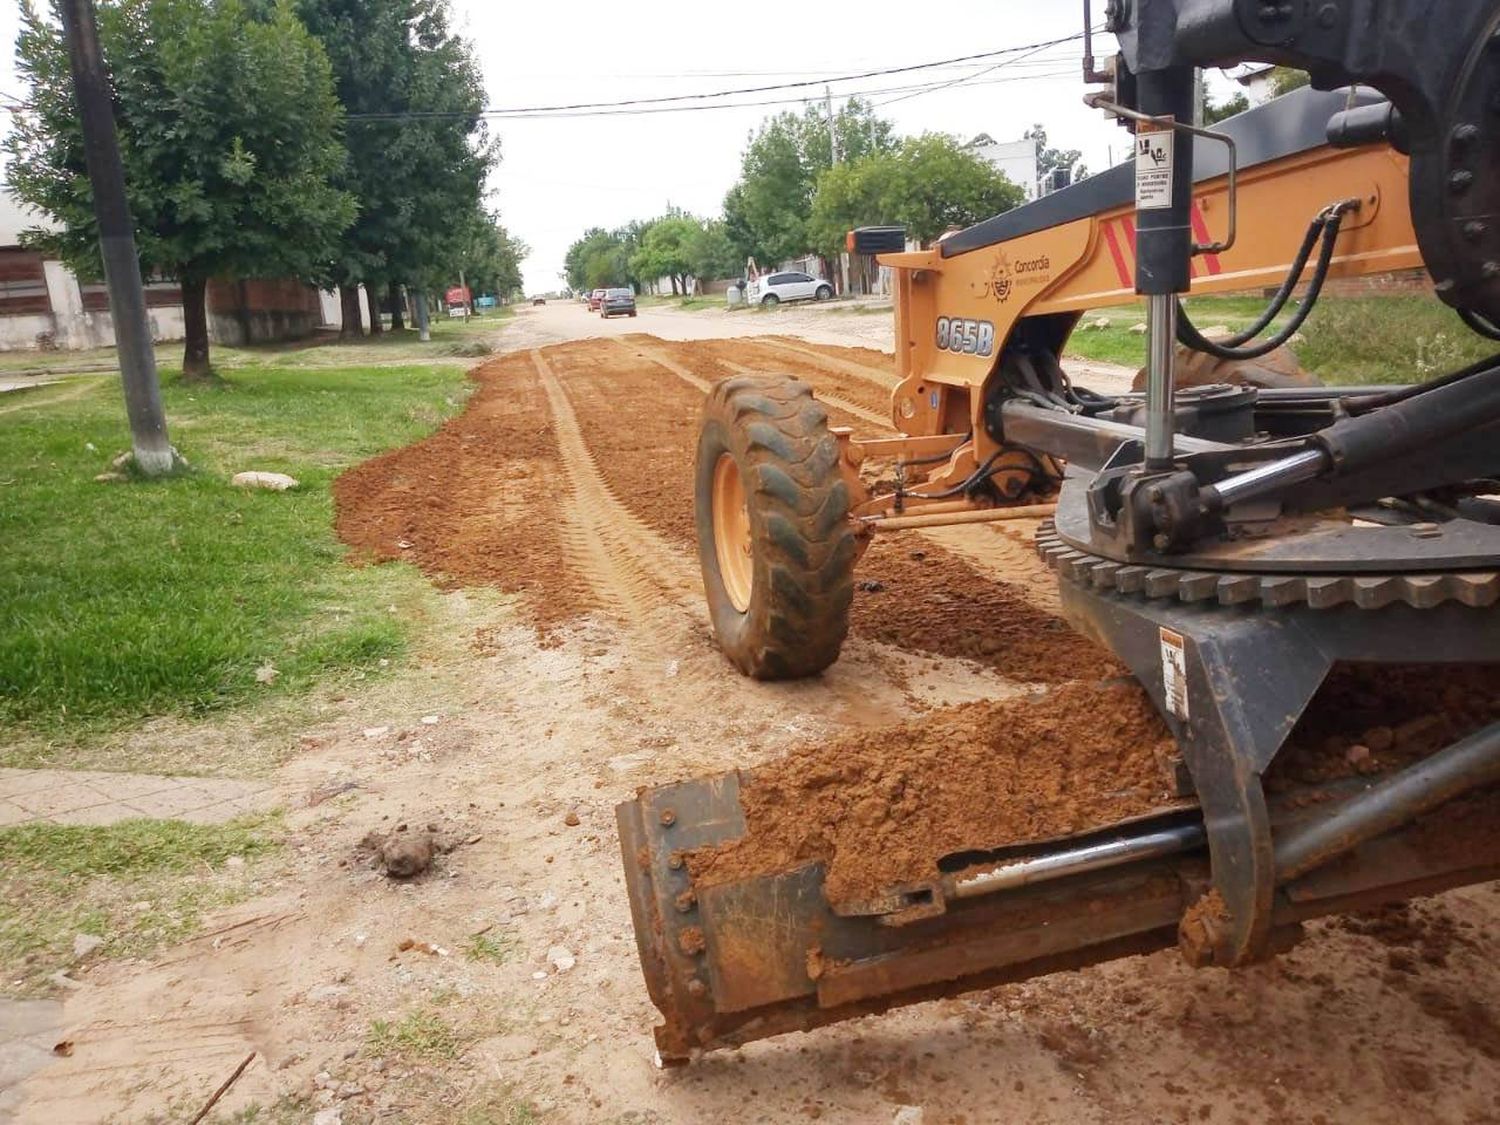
617,301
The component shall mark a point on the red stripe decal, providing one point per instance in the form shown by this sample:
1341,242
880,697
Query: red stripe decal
1200,232
1114,252
1129,224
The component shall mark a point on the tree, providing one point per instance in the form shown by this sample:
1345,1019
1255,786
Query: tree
418,150
229,133
930,184
1285,79
711,252
489,256
665,251
1214,112
597,260
1049,159
767,211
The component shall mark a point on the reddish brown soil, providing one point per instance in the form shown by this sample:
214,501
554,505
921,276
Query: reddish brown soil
1367,719
831,377
882,807
469,504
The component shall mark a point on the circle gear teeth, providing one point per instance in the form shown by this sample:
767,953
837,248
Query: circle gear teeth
1478,589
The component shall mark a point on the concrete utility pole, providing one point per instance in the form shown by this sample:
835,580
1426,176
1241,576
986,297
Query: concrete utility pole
419,303
122,269
833,148
833,136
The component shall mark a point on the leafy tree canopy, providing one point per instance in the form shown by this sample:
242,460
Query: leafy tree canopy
229,132
767,211
487,254
1048,158
929,184
418,149
1285,79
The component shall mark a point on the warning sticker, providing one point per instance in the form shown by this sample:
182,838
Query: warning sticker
1153,169
1174,674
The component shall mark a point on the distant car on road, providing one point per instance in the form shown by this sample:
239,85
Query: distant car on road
539,300
595,299
616,302
790,286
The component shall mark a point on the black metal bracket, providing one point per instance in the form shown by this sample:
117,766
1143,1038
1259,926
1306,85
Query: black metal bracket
1231,684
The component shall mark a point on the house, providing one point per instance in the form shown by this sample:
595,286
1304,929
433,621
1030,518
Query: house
1016,159
1257,81
44,305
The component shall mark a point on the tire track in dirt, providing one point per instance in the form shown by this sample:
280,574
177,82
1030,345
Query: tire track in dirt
828,398
880,374
872,398
631,569
473,502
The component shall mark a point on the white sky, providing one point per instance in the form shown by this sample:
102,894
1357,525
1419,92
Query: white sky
561,176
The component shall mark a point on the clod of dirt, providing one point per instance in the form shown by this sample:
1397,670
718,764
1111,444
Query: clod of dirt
406,854
1199,931
881,807
571,820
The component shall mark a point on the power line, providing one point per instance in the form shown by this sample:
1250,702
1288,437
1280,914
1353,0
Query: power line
957,81
913,91
631,103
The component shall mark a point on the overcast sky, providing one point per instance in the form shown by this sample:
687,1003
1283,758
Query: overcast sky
561,176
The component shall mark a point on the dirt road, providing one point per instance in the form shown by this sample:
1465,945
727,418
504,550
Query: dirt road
575,665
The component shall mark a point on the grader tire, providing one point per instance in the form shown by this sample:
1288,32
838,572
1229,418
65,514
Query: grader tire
774,538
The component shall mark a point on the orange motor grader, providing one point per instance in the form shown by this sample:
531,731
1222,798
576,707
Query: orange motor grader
1229,542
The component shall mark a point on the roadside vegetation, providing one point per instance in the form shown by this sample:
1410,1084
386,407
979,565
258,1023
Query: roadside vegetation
70,894
184,596
1391,339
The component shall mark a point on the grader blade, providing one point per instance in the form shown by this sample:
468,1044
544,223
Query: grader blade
743,959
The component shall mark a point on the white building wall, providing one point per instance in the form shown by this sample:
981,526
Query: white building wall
1016,159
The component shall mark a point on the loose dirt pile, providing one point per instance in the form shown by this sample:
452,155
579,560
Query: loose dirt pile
1367,719
882,807
469,504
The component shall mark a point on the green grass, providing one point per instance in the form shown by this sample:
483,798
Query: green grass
1375,339
139,884
422,1034
123,601
495,948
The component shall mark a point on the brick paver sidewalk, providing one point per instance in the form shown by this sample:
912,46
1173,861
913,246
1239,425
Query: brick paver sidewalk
93,797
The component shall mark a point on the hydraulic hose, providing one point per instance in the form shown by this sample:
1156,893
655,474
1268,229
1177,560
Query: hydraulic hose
1326,223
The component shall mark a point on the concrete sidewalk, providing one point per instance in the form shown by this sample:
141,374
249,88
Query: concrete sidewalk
94,797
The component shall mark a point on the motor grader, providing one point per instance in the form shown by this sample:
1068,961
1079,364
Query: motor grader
1230,543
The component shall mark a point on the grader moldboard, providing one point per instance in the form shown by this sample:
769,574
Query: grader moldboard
1228,542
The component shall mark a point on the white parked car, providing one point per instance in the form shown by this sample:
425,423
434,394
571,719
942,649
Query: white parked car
790,286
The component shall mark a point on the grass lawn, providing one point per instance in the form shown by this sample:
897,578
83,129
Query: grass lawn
139,885
119,602
1377,339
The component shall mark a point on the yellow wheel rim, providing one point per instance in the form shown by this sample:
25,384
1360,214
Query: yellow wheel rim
732,533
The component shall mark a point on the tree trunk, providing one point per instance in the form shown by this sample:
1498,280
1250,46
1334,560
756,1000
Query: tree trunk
349,312
674,284
374,303
195,328
397,323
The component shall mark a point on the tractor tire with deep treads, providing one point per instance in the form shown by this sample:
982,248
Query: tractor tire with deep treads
778,554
